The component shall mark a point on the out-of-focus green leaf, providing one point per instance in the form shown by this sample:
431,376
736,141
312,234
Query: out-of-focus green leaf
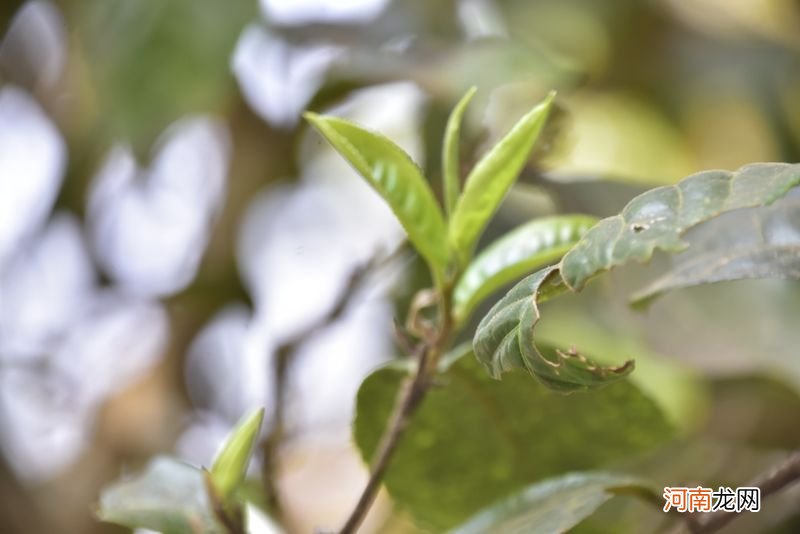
169,496
614,136
491,179
451,153
532,245
230,465
678,390
475,440
758,411
152,62
654,220
554,505
398,180
763,261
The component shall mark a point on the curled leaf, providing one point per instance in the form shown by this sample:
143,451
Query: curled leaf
532,245
504,340
654,220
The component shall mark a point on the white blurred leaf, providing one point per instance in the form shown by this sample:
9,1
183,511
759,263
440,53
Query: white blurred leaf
150,227
32,159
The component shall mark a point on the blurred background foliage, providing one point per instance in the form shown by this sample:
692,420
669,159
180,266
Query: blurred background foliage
169,227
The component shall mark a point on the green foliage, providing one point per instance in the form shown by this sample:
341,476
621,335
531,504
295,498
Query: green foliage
176,498
399,181
504,340
476,440
476,443
147,65
555,505
491,179
169,496
230,465
657,219
451,152
529,246
772,252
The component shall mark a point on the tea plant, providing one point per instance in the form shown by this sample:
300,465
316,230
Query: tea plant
515,454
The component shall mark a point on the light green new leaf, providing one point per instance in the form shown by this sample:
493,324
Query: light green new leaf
230,465
554,505
477,440
654,220
491,179
522,250
451,153
392,173
169,497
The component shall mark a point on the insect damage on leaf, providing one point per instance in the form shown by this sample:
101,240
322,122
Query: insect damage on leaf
655,220
504,340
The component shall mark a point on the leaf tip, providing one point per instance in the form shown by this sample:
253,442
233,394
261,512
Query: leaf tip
312,118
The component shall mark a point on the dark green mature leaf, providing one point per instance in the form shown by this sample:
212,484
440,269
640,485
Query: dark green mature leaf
654,220
169,496
764,261
658,218
491,179
475,440
555,505
398,180
532,245
504,340
761,242
451,153
230,465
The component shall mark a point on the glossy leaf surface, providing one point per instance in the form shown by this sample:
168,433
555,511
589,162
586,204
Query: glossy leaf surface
492,177
522,250
392,173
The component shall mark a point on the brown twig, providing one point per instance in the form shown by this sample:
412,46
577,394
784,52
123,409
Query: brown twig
785,474
284,359
408,399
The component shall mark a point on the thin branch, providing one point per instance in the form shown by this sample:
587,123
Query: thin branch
411,395
785,474
284,358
